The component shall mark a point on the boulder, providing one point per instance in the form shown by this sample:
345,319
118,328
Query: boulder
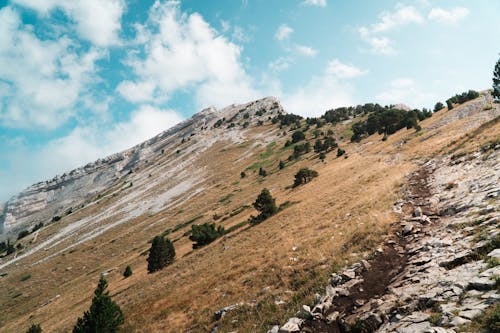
417,212
494,254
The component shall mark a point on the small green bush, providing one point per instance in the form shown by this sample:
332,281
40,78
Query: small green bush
127,272
203,234
34,329
304,175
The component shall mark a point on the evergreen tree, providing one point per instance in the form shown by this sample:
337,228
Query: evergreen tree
204,234
127,272
34,329
322,157
304,175
262,172
298,136
318,146
281,165
161,254
243,174
265,204
438,106
104,315
10,247
496,82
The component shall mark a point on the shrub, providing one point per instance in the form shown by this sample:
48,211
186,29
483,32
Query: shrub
439,106
23,234
340,152
243,174
10,248
161,254
298,136
127,272
104,314
265,204
262,172
496,81
281,165
449,104
205,233
34,329
37,227
322,157
304,175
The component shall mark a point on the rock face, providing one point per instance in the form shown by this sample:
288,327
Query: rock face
65,193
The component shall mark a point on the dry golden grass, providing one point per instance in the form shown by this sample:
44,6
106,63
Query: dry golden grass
338,217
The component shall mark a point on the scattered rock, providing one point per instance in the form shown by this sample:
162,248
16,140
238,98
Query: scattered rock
293,325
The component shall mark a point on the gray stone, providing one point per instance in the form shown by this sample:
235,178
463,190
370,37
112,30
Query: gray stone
274,329
293,325
482,283
417,212
422,327
470,314
494,254
348,275
457,321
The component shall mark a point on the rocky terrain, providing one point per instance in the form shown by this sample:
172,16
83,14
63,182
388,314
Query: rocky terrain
438,271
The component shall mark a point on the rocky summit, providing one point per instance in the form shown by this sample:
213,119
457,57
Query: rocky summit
250,219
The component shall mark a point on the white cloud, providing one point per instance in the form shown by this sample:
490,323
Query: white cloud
183,52
320,93
280,64
98,21
136,92
306,50
43,79
81,145
284,31
319,3
343,71
407,91
448,16
388,21
403,15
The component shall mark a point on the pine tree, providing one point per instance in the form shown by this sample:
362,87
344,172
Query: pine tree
34,329
281,165
161,254
265,204
104,315
127,272
496,82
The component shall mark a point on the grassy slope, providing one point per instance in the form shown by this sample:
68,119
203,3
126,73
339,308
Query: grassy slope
340,215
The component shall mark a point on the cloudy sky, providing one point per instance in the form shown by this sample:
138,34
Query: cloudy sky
81,79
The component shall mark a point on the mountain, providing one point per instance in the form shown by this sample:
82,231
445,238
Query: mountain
397,232
73,190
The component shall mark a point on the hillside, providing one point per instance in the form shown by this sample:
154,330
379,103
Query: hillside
99,219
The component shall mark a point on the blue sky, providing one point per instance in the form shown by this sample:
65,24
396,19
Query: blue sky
82,79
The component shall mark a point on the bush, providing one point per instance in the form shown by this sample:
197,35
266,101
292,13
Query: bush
322,156
204,234
127,272
34,329
439,106
104,314
9,248
281,165
298,136
23,234
340,152
243,174
266,205
37,227
496,81
262,172
161,254
304,175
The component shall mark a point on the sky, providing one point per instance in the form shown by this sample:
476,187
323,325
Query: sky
83,79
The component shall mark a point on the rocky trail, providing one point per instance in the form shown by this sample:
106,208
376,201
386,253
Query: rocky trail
439,269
